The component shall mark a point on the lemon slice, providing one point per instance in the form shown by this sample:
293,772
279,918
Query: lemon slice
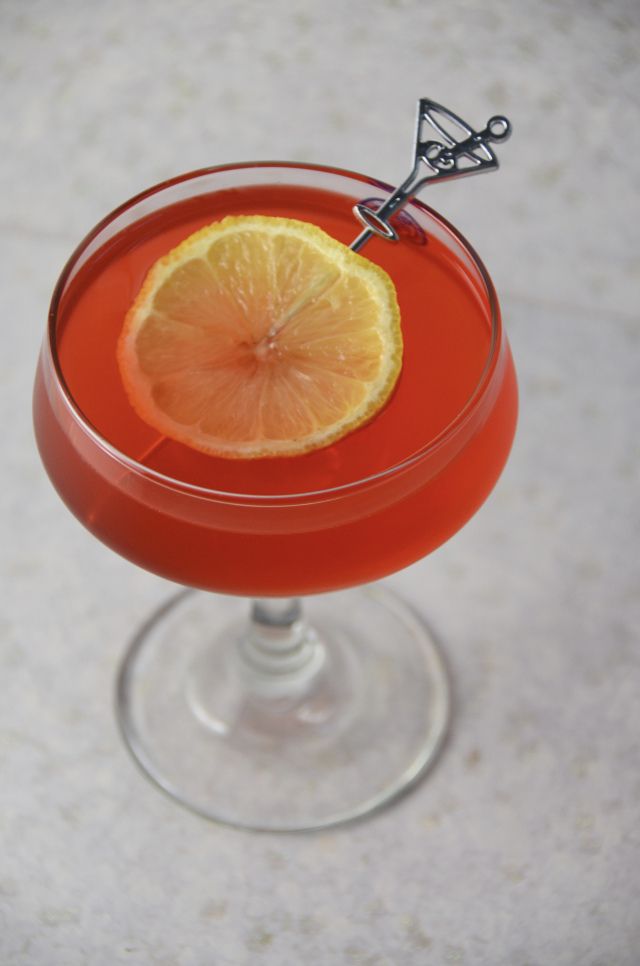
261,337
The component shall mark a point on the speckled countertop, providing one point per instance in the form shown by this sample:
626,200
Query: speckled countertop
522,847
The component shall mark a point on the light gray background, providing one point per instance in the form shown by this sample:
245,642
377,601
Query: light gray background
522,848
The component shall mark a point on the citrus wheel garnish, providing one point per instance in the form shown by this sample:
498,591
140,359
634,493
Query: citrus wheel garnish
260,337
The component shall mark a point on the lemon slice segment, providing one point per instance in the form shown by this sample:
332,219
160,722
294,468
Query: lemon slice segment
259,337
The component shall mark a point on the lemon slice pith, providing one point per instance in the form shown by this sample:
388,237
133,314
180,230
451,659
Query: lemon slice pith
260,336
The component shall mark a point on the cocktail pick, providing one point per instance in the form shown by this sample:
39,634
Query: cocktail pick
434,161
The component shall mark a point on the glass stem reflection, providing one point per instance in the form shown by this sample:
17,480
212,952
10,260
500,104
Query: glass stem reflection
280,656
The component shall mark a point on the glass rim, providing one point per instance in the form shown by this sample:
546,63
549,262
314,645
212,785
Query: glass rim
434,445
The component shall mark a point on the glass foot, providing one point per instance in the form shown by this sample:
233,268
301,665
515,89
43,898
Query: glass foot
354,714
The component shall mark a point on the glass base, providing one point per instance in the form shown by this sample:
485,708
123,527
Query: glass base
293,751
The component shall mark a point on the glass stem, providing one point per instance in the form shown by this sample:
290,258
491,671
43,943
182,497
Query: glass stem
280,655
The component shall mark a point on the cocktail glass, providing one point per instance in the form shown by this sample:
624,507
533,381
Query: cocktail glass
272,715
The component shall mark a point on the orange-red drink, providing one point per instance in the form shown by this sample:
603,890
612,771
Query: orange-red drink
371,503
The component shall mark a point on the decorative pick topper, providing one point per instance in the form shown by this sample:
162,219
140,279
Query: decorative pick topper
434,161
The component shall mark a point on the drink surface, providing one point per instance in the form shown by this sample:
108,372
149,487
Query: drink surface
445,330
302,545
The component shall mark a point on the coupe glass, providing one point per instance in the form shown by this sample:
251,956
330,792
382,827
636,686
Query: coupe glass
267,714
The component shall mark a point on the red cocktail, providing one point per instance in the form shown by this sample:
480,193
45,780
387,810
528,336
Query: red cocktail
373,502
369,504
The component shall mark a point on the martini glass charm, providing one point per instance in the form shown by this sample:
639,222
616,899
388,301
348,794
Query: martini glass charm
434,161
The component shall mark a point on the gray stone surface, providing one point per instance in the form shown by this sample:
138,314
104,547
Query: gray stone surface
522,848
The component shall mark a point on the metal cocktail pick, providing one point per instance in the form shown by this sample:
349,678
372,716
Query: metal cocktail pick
434,161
